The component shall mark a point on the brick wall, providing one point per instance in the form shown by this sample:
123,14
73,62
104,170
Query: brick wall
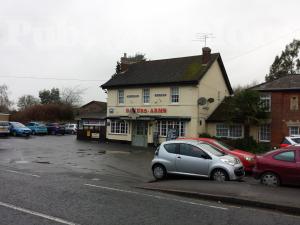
282,115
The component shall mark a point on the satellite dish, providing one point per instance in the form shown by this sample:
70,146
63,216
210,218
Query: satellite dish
210,100
202,101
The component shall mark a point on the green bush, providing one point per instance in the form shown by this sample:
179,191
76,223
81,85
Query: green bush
248,144
204,135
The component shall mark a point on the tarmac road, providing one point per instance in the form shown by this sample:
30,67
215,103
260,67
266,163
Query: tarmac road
49,180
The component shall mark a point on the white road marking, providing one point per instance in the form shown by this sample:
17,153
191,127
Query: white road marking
22,173
52,218
155,196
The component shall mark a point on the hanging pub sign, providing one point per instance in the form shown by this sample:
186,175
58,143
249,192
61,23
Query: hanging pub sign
146,110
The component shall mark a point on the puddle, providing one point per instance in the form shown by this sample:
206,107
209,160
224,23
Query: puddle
21,162
117,152
42,162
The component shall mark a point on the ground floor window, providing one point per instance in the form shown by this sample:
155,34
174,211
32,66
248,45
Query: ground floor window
294,130
229,131
164,125
265,132
118,127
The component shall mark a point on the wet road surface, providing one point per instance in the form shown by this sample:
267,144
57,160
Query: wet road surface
58,180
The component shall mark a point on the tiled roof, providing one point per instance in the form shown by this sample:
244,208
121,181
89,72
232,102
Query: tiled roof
185,70
220,114
285,83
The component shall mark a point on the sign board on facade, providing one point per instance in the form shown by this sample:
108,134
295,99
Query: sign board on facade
172,134
93,122
160,95
95,135
133,96
146,110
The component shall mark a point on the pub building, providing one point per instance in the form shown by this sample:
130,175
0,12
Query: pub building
148,99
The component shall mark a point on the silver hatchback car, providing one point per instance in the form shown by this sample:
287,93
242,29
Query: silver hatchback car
196,158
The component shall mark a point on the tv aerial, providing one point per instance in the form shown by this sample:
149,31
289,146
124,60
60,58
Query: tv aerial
203,37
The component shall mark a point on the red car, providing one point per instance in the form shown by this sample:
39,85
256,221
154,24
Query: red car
281,166
247,158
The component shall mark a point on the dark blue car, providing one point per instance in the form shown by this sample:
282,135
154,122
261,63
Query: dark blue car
55,128
19,129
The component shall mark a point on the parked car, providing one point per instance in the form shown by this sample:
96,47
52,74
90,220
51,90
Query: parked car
71,128
4,128
37,128
281,166
19,129
196,158
290,140
247,158
55,128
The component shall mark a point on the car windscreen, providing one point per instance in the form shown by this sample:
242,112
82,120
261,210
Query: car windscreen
297,140
223,145
211,149
18,125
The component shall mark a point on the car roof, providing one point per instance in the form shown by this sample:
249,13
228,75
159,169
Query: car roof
183,141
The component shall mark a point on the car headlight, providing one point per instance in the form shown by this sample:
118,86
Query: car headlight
229,162
250,159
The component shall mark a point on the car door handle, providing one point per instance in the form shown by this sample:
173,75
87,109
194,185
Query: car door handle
178,157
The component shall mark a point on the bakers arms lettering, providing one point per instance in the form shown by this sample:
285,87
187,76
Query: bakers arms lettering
146,110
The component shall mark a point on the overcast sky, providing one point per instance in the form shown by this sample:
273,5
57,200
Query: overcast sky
76,43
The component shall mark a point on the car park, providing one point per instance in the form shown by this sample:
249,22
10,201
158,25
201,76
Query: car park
290,140
19,129
247,158
55,128
281,166
4,128
195,158
71,128
37,128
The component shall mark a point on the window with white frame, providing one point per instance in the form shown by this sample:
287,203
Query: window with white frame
146,95
163,126
266,102
229,131
294,130
174,94
265,132
120,96
118,127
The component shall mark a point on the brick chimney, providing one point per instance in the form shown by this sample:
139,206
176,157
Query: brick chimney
126,61
206,56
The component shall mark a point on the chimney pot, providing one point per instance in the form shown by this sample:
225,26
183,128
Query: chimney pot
206,55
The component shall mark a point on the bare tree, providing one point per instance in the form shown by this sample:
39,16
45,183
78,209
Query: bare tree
26,101
239,88
5,103
72,95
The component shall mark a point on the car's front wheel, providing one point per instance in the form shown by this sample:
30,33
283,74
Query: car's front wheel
159,172
270,179
219,175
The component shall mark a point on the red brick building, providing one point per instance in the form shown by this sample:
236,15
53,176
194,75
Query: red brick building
282,97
